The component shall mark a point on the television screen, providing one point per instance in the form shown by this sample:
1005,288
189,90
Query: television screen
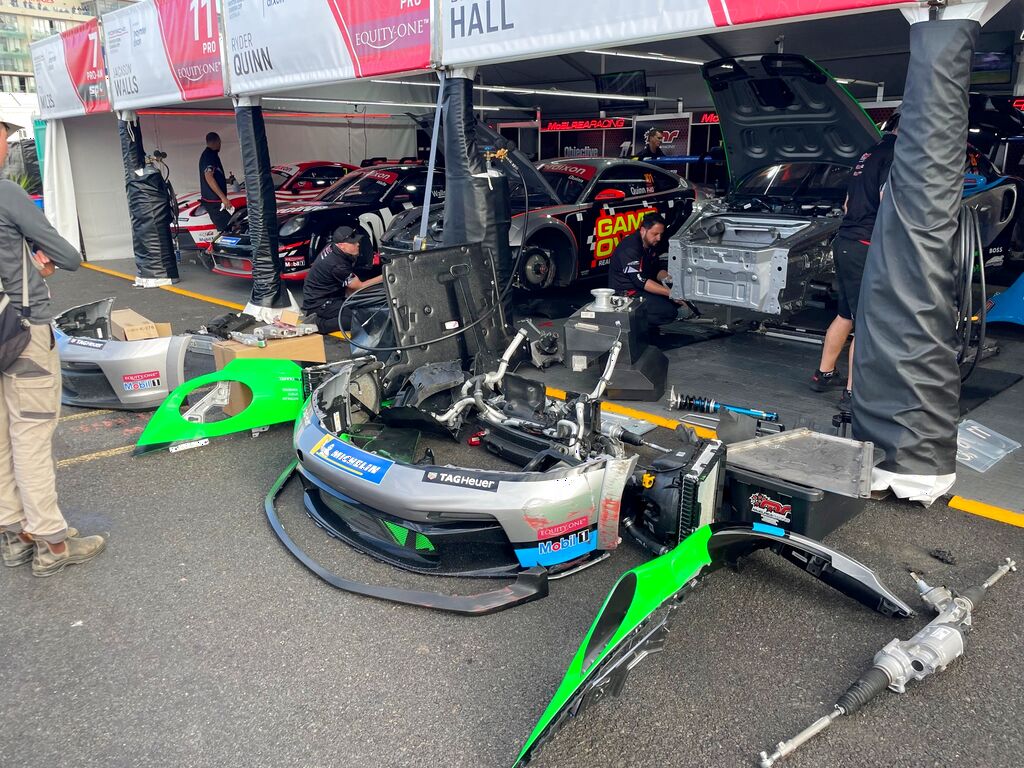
993,60
622,84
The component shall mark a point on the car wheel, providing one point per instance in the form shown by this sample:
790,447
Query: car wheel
537,270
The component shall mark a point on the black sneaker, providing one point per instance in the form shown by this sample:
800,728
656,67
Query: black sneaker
822,382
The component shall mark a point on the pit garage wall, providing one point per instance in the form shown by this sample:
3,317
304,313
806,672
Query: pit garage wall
291,140
98,175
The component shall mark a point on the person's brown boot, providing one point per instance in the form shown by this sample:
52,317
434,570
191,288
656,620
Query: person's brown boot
51,559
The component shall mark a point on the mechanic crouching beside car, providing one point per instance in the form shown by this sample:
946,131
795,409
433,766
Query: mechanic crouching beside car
635,270
338,272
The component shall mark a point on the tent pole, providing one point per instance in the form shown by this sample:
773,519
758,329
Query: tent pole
421,241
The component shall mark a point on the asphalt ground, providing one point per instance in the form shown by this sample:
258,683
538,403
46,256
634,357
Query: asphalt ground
197,640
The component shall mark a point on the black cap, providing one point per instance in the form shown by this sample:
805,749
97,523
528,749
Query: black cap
346,235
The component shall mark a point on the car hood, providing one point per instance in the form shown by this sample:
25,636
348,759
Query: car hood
779,108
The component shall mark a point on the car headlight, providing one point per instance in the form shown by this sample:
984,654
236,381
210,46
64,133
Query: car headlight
292,226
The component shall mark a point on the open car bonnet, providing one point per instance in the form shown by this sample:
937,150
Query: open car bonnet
783,108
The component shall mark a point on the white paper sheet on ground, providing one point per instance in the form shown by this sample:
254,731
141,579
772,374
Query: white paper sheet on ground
923,488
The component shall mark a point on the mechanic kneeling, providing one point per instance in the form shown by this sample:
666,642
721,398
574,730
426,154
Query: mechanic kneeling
636,270
338,272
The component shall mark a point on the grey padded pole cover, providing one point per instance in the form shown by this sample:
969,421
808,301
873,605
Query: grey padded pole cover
261,207
906,379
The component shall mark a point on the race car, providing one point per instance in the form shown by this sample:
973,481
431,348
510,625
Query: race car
368,198
764,250
294,182
572,216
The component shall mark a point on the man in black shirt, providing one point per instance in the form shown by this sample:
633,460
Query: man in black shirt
212,184
635,270
333,277
850,251
652,149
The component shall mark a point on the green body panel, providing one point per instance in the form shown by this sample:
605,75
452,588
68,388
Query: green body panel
655,582
276,387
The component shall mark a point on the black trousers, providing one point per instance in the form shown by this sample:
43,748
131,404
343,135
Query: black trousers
219,218
661,310
327,317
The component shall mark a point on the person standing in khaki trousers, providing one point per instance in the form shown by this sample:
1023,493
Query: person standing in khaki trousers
32,527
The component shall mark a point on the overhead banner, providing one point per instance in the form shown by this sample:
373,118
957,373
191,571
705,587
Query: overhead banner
163,52
71,78
482,31
274,44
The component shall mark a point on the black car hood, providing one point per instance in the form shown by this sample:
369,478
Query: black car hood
778,108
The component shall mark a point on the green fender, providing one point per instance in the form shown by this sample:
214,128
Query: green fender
276,387
618,632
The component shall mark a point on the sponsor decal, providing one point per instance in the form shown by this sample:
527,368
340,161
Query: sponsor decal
771,511
581,151
351,460
461,480
382,38
669,137
228,240
590,124
88,343
581,172
388,177
560,550
709,118
563,528
135,382
610,228
477,18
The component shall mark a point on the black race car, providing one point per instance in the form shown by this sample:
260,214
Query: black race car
579,210
369,198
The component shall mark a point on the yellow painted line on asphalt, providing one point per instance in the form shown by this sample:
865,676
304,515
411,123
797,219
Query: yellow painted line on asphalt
633,413
86,415
186,293
93,456
988,511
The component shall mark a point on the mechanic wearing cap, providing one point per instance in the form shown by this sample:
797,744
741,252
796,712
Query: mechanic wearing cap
334,276
635,270
32,527
652,149
213,183
850,252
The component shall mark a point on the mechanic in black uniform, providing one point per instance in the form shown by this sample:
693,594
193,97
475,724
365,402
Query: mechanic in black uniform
334,276
213,184
850,251
635,270
652,149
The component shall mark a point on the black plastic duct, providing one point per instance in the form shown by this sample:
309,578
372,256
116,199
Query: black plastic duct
150,208
477,206
261,208
906,377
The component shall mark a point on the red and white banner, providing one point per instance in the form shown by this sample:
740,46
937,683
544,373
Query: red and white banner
274,44
163,52
484,31
71,78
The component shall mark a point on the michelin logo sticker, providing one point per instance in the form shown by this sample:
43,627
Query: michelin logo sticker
350,459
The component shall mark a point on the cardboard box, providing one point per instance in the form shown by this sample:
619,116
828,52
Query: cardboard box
291,317
304,349
129,325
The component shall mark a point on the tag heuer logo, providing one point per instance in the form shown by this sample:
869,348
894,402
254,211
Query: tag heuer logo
431,475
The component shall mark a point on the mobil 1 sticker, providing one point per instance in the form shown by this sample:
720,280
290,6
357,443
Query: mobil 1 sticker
88,343
461,480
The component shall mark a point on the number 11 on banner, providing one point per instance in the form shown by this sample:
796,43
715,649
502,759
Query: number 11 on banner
197,6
